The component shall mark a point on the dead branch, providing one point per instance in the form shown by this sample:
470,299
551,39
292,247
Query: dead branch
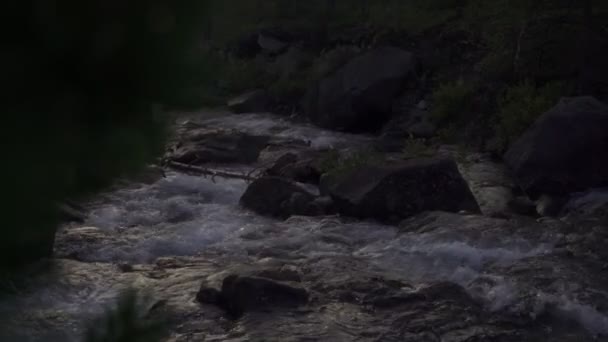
208,172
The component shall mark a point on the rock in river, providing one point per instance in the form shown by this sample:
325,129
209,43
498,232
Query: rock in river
565,151
394,191
279,197
247,293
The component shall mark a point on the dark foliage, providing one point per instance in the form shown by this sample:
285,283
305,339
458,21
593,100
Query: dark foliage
86,85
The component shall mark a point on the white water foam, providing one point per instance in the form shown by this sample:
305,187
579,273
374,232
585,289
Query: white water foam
268,124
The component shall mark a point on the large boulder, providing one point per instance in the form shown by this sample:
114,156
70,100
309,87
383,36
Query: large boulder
359,96
251,102
395,191
565,151
279,197
203,146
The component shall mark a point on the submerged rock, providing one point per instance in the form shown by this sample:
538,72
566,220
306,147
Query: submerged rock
277,197
395,191
240,294
564,151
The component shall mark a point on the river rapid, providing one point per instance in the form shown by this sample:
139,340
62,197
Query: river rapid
434,277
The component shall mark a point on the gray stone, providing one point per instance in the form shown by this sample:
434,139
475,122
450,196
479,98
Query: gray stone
391,192
276,197
359,96
240,294
564,151
302,166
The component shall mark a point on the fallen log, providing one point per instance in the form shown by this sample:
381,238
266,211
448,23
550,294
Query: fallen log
208,172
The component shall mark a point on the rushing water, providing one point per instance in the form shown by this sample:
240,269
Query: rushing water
199,219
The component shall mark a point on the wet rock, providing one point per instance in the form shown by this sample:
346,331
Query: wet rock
240,294
489,180
209,295
395,191
564,151
276,197
302,166
255,101
297,203
203,146
358,97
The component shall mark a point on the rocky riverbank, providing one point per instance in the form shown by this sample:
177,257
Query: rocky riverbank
459,265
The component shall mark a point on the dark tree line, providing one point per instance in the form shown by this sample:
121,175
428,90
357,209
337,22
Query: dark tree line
85,87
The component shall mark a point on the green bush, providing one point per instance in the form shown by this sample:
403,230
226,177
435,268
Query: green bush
452,102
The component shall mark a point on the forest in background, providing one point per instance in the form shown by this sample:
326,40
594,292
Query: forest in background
501,62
